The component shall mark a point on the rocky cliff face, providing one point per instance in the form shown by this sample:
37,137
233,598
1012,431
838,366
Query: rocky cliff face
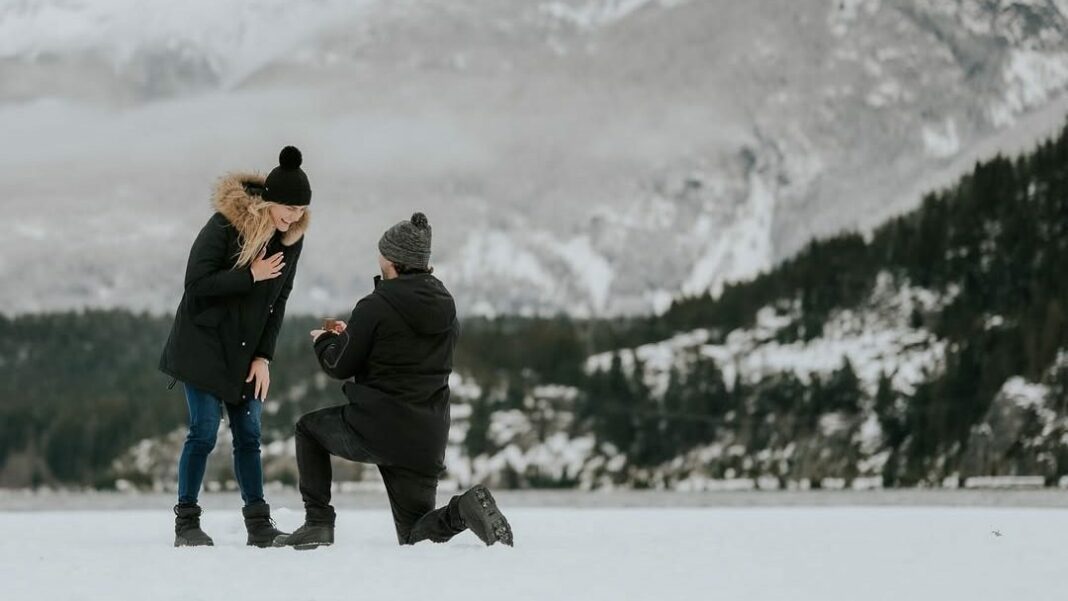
1025,430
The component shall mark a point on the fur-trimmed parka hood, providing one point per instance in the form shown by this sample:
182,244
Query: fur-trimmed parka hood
232,198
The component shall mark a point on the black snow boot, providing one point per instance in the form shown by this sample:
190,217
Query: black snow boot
260,526
187,532
479,512
308,536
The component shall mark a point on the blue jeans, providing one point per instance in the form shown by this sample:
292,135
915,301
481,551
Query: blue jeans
205,414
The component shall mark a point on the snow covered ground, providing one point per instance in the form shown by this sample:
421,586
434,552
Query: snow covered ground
729,553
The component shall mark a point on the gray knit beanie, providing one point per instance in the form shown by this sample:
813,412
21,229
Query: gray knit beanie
408,242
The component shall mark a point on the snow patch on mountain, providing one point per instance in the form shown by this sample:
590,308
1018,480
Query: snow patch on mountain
844,12
1031,79
531,443
555,267
492,252
877,338
589,15
1024,394
941,140
741,250
589,268
887,92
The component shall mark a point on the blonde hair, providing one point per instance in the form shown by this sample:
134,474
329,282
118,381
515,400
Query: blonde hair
260,232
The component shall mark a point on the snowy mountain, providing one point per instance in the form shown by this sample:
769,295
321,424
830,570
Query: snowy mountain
592,156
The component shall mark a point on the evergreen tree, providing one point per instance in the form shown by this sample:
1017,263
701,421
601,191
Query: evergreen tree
477,440
843,392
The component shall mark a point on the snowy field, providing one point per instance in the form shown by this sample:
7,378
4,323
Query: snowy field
605,549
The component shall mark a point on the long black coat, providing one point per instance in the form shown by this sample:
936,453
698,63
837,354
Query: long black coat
397,356
225,319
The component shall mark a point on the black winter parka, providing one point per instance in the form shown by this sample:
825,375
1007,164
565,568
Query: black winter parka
396,355
225,319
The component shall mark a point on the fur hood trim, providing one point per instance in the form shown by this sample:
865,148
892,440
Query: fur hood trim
232,200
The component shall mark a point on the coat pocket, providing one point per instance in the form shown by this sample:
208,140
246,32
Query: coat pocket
211,316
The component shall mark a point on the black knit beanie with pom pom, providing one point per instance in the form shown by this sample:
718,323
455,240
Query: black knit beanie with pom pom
287,184
408,242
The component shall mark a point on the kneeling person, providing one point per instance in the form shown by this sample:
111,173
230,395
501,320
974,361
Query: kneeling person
395,354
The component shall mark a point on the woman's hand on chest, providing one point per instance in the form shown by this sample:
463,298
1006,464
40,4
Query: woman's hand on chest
267,268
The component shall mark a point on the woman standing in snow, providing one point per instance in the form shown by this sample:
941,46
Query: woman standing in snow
237,280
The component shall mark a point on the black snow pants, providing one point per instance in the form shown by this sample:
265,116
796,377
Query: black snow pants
411,494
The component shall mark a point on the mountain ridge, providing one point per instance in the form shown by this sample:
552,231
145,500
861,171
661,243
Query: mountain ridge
593,128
